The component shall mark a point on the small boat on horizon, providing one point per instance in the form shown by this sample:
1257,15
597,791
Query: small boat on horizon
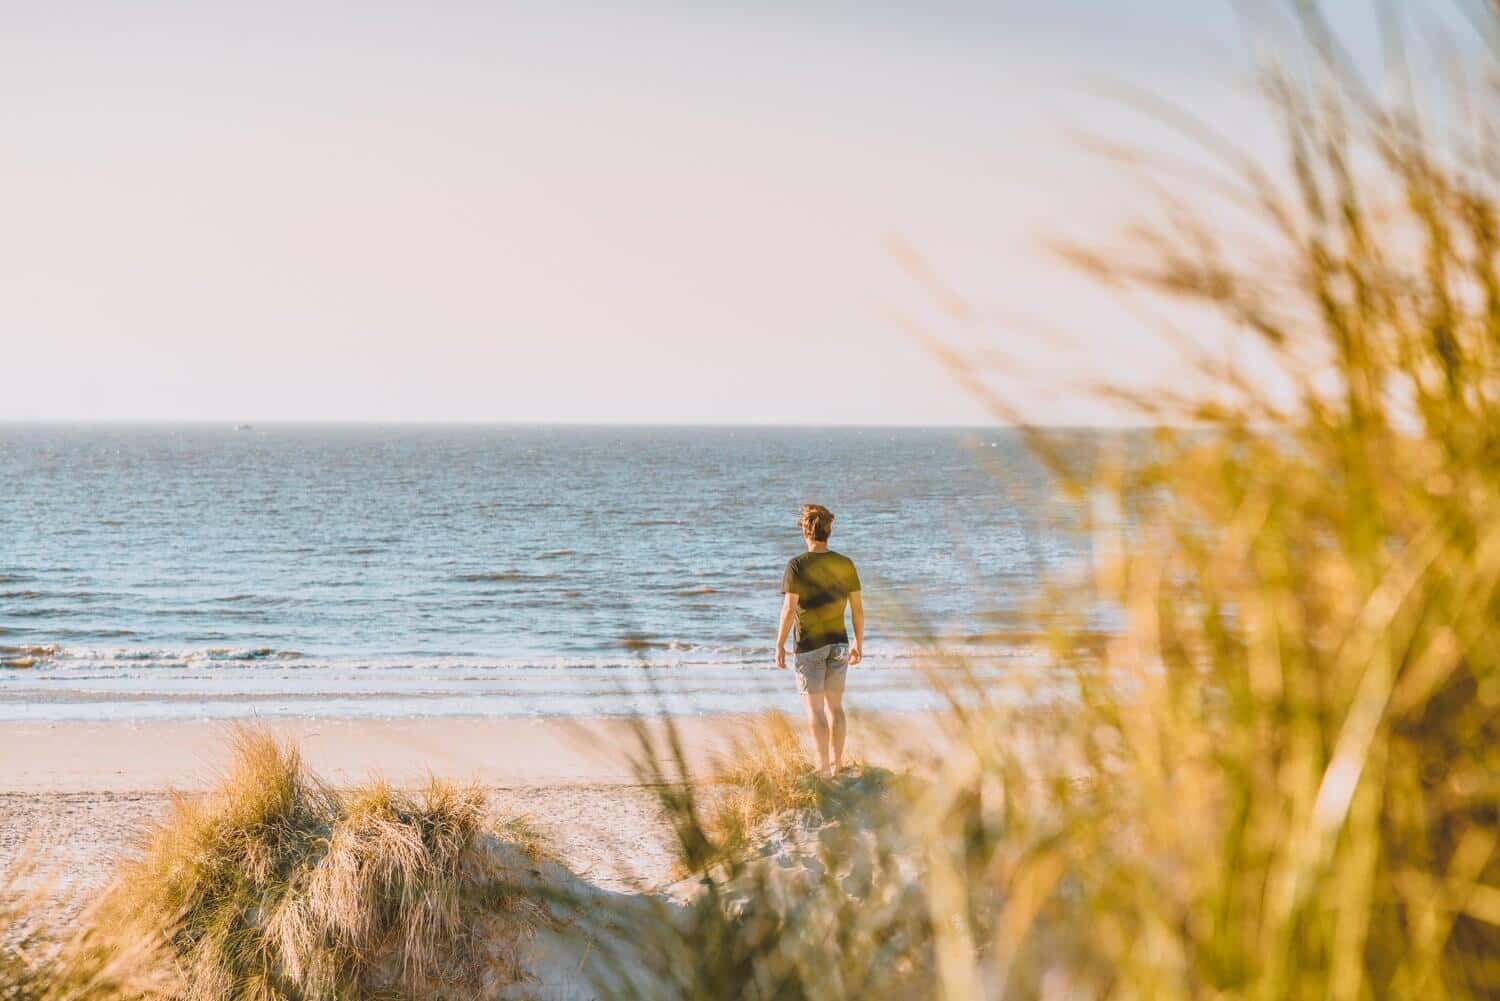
244,427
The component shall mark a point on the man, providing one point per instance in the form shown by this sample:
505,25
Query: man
818,585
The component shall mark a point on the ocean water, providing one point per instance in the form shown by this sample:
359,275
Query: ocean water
208,571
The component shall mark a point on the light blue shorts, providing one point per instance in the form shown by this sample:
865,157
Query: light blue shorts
823,670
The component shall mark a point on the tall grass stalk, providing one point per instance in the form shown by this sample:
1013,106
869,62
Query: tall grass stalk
1281,779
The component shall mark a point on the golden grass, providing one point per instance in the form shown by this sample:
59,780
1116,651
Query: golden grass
36,965
766,773
767,779
798,893
274,886
1282,777
1290,755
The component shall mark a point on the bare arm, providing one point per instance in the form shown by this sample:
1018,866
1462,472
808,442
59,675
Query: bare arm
857,613
784,629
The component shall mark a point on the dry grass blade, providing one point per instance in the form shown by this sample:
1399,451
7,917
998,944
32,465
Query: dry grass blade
767,772
1281,778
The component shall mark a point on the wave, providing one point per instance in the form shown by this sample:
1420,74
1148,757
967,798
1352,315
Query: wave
244,653
629,654
238,614
55,654
43,612
692,592
26,656
35,650
93,634
79,596
256,599
506,576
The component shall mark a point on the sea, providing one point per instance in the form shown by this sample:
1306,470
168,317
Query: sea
223,571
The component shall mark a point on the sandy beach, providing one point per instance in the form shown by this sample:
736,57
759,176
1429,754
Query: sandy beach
186,755
76,796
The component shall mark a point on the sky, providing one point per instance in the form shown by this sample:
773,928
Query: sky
489,211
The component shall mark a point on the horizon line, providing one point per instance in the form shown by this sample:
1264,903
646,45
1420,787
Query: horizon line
502,422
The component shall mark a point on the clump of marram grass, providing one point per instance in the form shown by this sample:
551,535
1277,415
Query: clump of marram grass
274,886
801,886
767,778
766,772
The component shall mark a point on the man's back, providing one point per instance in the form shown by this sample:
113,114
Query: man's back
822,582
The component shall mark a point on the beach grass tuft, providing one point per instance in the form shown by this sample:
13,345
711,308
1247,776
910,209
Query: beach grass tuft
766,777
275,886
766,772
796,888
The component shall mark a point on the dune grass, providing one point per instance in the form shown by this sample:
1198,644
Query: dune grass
1293,743
274,886
1281,778
37,963
767,772
795,885
767,778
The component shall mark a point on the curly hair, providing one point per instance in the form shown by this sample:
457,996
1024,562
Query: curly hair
816,522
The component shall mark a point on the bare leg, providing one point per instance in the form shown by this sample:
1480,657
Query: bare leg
818,723
837,726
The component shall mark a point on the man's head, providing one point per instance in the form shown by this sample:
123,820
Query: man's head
817,522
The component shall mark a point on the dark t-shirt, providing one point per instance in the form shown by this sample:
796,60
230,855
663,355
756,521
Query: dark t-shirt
822,583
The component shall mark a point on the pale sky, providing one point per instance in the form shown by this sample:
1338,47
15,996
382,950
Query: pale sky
564,211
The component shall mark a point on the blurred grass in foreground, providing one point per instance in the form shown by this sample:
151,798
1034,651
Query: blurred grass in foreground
1282,780
42,960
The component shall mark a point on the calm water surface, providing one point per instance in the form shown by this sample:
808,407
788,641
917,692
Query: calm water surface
150,572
